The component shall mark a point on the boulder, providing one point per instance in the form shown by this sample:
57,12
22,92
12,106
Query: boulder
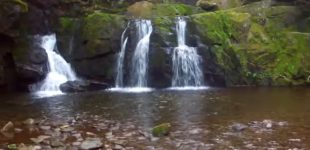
210,5
161,130
82,86
140,9
146,9
31,61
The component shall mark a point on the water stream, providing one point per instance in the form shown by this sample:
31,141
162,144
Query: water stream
187,72
140,57
59,71
119,82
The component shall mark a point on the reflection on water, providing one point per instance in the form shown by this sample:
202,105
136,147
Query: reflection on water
212,109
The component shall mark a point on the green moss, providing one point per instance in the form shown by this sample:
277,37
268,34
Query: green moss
173,10
257,53
22,4
100,26
161,130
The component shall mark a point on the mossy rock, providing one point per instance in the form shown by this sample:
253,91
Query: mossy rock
210,5
173,10
146,9
251,52
161,130
223,31
99,30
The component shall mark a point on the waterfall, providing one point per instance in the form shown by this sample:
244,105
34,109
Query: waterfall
140,60
59,71
186,62
120,61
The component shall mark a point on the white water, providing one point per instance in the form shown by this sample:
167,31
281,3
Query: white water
139,64
187,73
119,82
59,70
140,57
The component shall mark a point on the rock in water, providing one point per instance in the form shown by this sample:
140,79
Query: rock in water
82,86
7,127
29,122
91,143
238,127
161,130
39,139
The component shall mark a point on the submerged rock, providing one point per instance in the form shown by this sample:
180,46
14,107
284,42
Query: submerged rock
209,5
39,139
29,122
82,86
238,127
7,127
161,130
91,143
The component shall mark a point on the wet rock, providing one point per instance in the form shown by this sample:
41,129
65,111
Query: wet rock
56,143
161,130
91,143
294,140
76,143
267,124
66,128
12,147
7,127
45,127
18,130
195,131
118,147
29,122
90,134
282,123
31,147
39,139
238,127
82,86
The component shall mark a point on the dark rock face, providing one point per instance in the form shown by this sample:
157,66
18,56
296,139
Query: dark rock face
31,61
82,86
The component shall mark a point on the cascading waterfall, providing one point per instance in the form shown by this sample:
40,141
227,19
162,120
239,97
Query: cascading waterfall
59,70
119,82
140,60
186,62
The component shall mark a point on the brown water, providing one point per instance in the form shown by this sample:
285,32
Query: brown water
199,119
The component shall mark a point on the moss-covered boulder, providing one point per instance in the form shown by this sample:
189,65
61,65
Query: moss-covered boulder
161,130
210,5
255,47
92,41
220,30
145,9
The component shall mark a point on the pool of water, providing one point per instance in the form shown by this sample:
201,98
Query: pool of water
200,119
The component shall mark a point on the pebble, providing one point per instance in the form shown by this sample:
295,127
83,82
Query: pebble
29,122
294,140
45,127
76,143
118,147
39,139
18,130
91,143
238,127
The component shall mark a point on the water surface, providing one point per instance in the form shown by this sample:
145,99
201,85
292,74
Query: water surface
200,119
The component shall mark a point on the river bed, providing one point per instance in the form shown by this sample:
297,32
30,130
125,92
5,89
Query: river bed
214,118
